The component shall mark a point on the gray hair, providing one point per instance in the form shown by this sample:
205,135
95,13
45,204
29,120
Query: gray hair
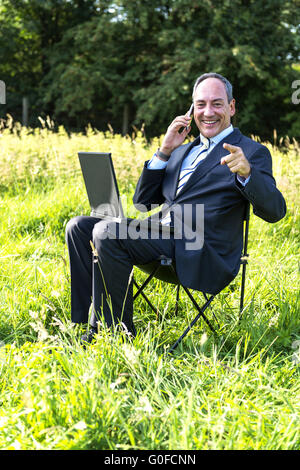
227,84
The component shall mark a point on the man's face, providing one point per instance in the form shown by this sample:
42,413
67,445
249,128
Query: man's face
212,112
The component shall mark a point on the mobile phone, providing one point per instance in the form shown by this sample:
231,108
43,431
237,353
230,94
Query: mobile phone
190,113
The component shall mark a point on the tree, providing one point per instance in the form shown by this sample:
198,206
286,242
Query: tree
29,31
130,63
250,42
106,61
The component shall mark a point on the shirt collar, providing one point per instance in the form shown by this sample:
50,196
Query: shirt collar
216,138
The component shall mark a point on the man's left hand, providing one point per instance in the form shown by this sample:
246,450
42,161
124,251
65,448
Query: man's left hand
236,161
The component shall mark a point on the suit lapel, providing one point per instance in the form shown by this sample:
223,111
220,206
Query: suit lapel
174,166
212,160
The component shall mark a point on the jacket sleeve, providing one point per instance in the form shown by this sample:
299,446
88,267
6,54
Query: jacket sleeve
261,191
149,189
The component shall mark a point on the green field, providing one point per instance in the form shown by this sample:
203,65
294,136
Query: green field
238,389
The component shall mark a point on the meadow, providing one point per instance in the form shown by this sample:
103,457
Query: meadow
236,390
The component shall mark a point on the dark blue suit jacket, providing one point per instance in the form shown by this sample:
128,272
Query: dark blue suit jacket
212,267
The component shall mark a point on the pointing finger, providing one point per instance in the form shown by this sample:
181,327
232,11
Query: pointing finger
231,148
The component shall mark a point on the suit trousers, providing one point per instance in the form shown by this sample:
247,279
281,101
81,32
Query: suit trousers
106,281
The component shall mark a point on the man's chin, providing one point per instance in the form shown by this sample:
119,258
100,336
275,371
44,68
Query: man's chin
209,131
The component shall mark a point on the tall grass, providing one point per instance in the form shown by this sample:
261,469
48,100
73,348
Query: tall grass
235,390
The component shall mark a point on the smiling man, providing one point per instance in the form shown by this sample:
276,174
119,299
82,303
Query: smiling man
220,171
214,107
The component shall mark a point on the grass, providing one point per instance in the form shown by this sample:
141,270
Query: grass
236,390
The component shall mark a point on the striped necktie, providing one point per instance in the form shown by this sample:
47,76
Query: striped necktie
187,172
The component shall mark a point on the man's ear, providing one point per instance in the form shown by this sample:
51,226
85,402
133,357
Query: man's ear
232,107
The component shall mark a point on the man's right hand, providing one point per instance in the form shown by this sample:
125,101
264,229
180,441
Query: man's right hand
176,134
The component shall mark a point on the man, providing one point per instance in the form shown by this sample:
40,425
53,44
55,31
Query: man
220,171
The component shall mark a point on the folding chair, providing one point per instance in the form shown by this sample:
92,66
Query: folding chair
164,269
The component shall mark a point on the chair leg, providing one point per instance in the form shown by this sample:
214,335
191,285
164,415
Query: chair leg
140,289
200,314
177,300
242,290
201,310
145,297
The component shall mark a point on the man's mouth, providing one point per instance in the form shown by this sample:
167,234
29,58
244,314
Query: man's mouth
209,122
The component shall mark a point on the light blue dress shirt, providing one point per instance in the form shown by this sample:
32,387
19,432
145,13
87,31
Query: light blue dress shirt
156,164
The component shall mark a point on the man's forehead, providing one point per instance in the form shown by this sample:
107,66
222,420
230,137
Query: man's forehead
211,88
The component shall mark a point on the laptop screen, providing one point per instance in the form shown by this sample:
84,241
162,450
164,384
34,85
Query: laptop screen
101,184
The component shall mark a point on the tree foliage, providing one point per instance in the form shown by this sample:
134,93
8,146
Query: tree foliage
129,63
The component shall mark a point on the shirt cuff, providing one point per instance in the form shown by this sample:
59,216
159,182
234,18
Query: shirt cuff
156,163
242,180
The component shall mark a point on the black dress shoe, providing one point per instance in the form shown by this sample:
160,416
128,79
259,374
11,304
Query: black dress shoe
89,336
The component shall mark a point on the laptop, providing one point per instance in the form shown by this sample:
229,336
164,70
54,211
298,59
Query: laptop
103,192
101,185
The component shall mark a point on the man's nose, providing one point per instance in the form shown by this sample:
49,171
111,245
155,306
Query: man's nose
208,110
